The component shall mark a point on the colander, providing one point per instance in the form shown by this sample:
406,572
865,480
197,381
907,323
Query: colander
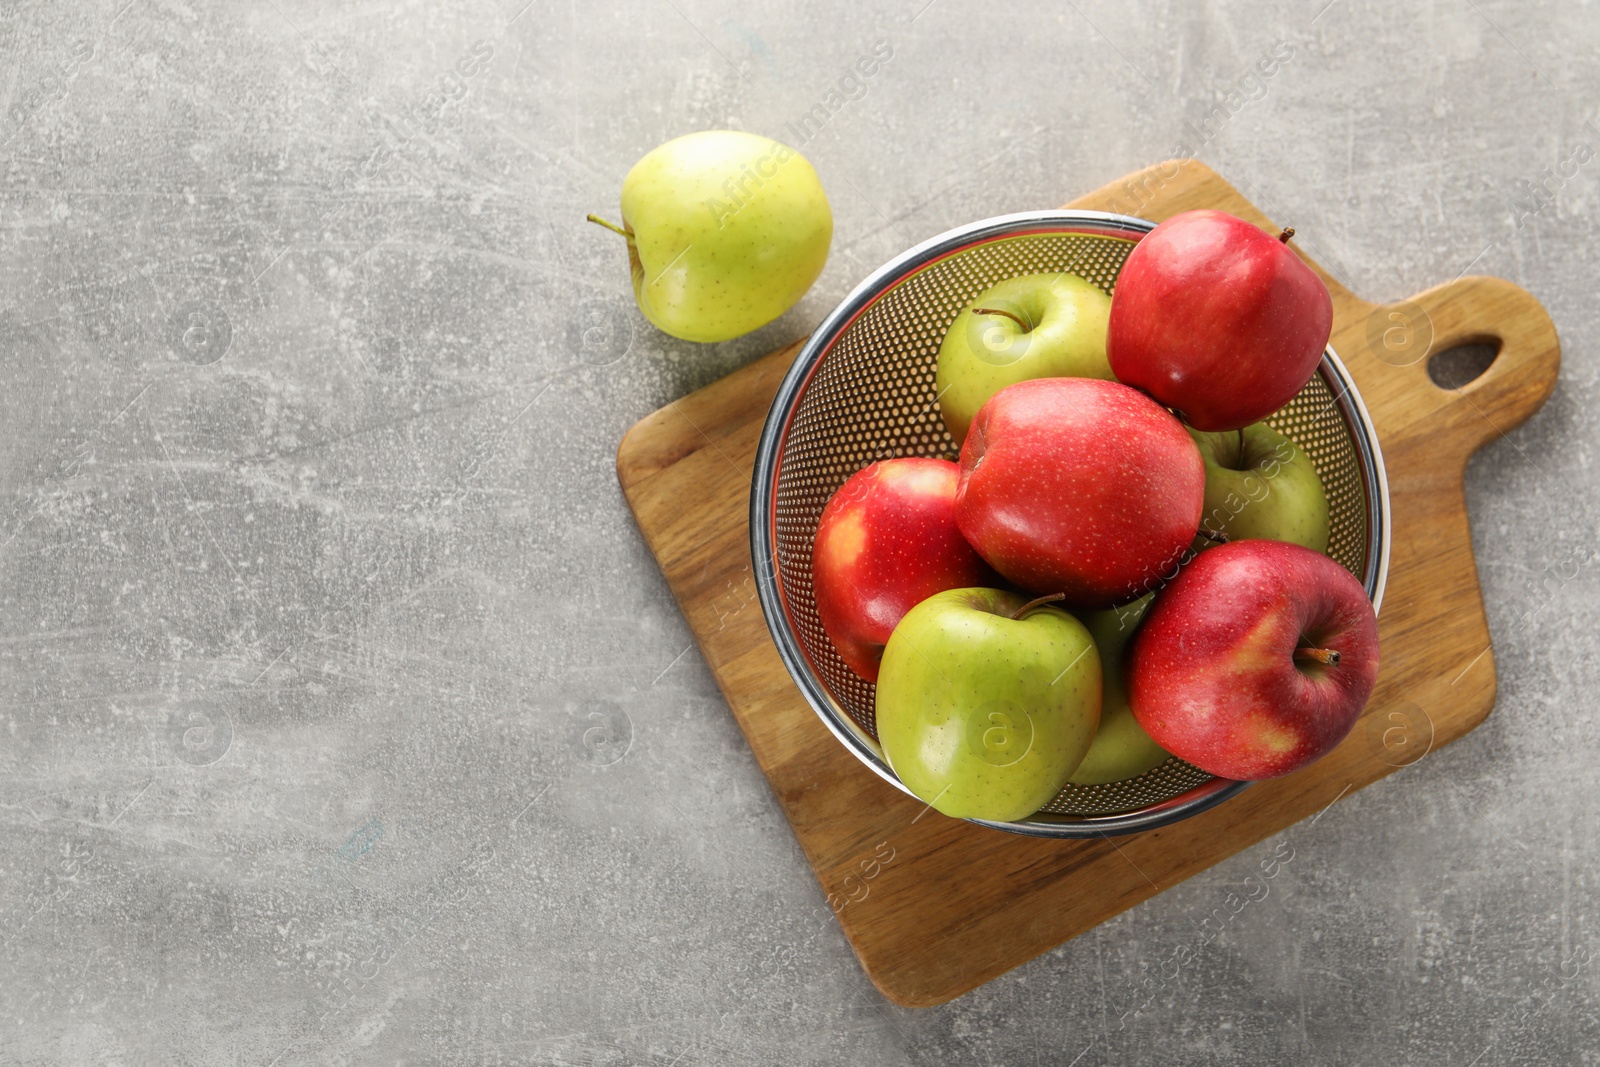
862,389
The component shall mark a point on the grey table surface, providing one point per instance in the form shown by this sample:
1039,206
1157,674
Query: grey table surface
344,716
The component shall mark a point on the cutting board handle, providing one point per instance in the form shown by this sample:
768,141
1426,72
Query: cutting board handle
1470,310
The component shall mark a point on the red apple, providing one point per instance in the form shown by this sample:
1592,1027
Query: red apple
1255,661
888,541
1079,486
1217,319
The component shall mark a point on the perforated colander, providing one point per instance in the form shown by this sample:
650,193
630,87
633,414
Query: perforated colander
862,389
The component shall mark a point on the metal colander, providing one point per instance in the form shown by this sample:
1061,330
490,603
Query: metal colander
862,389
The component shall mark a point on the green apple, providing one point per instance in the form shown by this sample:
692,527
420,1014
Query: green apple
1121,748
987,702
1035,326
726,231
1260,485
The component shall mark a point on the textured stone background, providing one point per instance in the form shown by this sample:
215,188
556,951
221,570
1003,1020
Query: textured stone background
344,717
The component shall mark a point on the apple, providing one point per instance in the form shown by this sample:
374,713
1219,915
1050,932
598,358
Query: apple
1255,661
1217,319
886,541
1260,485
1079,486
1121,748
986,702
725,230
1035,326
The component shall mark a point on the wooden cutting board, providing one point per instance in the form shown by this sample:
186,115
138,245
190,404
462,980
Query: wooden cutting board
935,907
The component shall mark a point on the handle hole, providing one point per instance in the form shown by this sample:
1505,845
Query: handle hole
1461,365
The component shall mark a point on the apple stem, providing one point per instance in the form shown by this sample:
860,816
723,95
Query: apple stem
1328,657
1286,234
1039,603
1214,536
613,227
1007,314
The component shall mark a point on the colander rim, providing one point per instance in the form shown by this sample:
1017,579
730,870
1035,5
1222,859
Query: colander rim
763,517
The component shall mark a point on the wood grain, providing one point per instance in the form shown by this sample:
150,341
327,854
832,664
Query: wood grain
959,904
